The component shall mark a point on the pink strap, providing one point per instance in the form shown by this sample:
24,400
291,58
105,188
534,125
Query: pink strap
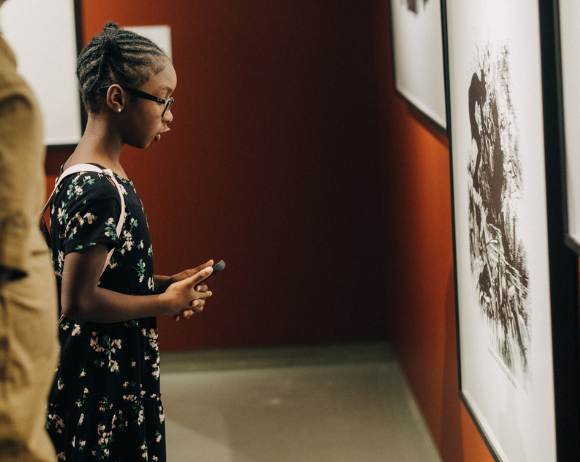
79,168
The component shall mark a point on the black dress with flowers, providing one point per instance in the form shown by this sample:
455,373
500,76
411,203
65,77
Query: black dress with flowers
105,403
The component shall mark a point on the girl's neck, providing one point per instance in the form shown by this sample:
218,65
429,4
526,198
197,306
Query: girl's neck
98,145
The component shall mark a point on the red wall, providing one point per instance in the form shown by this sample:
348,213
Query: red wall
292,158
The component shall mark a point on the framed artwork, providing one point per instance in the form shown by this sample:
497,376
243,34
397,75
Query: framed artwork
418,56
44,35
569,98
515,280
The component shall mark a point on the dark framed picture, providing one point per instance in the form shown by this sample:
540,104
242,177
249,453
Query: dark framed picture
44,35
515,280
418,57
569,69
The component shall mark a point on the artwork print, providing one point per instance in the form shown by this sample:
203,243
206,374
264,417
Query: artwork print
495,189
418,57
501,233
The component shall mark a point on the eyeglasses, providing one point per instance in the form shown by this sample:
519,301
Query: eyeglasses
141,94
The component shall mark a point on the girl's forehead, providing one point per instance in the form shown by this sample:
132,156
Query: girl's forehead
166,80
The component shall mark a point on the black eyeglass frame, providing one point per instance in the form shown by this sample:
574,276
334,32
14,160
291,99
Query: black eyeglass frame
141,94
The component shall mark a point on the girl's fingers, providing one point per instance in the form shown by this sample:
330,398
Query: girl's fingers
203,295
201,287
199,276
197,305
190,272
185,314
199,294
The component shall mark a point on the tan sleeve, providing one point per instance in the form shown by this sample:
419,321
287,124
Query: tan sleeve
21,176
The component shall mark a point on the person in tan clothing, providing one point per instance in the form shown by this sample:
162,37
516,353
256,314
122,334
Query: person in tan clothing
28,301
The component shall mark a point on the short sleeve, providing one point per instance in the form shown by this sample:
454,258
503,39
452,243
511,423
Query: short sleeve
91,218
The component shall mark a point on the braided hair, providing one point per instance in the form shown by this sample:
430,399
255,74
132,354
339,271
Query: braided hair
116,56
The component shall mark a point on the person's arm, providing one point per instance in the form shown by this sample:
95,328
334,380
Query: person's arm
21,177
4,276
83,300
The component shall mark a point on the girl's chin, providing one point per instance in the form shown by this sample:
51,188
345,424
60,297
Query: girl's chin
140,145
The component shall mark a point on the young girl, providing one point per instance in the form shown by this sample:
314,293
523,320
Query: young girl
105,402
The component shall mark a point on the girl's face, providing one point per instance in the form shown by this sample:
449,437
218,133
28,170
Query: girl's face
145,120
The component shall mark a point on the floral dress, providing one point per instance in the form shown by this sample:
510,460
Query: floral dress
105,403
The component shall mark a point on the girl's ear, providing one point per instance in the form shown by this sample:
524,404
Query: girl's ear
116,98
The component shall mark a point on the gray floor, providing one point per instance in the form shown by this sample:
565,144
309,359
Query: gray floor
335,403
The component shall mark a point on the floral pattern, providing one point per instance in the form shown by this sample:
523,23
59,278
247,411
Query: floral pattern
105,402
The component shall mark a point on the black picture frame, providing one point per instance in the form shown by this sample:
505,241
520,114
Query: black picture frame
418,58
567,96
555,320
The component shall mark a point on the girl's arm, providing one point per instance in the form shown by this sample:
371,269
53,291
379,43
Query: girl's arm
83,300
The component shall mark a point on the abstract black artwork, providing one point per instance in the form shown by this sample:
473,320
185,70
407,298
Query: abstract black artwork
495,188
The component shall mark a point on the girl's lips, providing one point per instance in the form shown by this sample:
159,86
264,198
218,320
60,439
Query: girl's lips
158,135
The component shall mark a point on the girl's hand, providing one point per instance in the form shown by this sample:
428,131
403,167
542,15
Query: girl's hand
164,282
184,298
204,293
187,273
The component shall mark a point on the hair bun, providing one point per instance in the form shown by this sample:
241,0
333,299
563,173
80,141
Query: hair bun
110,38
111,25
